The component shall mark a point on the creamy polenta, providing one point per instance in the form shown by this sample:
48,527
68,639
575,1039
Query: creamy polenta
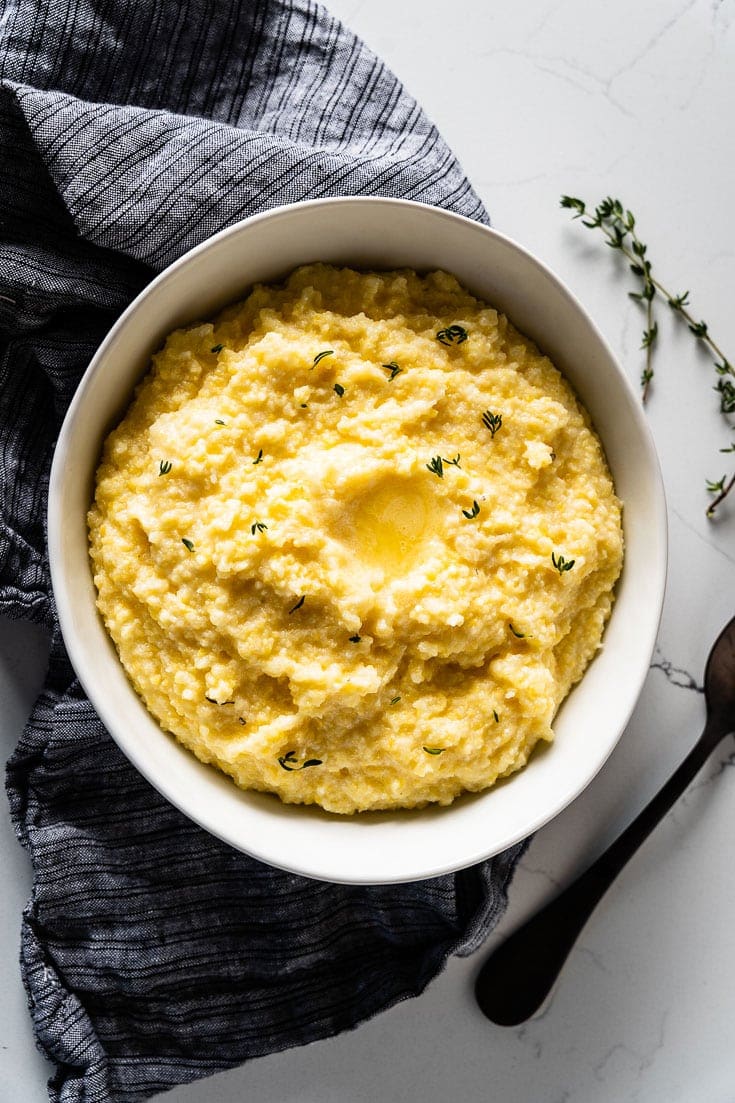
355,540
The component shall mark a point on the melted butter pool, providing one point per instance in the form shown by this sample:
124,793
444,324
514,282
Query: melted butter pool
390,523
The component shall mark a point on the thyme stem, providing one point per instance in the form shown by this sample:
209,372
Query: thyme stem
727,487
617,224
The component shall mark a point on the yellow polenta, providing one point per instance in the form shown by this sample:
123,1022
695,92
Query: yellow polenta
355,540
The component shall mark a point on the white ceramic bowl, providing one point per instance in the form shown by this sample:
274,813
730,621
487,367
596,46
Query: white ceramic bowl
367,233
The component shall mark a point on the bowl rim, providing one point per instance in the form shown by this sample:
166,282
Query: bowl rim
258,849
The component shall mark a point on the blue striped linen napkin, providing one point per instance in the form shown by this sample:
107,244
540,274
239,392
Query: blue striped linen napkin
130,130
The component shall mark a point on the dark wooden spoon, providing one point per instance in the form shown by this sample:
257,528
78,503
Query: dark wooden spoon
517,977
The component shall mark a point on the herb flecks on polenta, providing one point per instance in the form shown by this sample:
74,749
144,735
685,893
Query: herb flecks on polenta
386,536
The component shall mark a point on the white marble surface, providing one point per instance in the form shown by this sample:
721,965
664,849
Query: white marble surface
540,98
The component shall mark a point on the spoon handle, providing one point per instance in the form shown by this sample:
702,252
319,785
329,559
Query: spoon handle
517,977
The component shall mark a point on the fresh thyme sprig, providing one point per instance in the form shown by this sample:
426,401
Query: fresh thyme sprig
187,544
320,356
518,635
617,223
470,513
217,348
355,638
298,604
257,526
163,468
339,389
561,563
258,458
435,750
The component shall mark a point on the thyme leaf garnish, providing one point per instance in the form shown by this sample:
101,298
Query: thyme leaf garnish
726,391
394,370
495,714
470,513
452,335
298,604
258,459
355,639
217,348
257,526
320,356
218,421
339,389
518,635
561,563
492,421
288,761
163,468
395,700
435,750
187,544
617,224
437,464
